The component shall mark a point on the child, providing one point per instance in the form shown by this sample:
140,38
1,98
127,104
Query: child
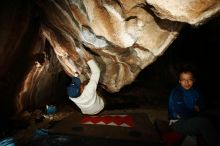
185,102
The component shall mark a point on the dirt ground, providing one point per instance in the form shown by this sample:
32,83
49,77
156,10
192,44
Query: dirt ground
37,119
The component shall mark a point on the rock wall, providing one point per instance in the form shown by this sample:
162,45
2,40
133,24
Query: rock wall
44,37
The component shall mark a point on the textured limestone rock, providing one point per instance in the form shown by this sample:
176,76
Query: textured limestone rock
194,12
123,36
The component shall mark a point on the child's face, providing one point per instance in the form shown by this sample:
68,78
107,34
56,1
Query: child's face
186,80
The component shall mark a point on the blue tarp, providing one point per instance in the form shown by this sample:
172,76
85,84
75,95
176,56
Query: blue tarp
9,141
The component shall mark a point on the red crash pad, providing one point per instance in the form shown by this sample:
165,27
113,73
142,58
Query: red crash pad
113,120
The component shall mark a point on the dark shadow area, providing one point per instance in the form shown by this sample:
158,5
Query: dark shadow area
60,140
197,47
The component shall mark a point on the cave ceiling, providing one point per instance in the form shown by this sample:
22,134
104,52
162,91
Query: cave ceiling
123,36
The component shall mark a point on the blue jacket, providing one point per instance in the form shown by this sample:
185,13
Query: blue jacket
182,102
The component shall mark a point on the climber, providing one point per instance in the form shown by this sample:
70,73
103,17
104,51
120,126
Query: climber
84,94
